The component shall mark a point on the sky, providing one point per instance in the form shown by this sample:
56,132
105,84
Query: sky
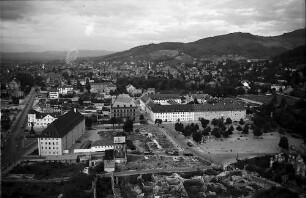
117,25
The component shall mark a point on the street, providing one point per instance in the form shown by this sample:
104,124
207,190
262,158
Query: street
12,151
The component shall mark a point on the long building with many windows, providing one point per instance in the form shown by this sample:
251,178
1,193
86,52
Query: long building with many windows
61,134
193,112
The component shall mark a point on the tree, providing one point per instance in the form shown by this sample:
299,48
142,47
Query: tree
241,121
230,130
88,87
257,131
206,131
128,125
5,122
228,121
214,122
225,134
204,122
283,103
216,132
239,128
197,137
196,126
88,122
274,100
80,86
283,143
113,121
179,127
245,129
187,131
119,121
158,121
141,117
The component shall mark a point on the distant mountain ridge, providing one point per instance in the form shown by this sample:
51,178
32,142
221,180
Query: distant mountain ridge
50,55
240,44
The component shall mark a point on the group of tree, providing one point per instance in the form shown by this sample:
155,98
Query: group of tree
204,122
289,116
5,122
158,121
128,126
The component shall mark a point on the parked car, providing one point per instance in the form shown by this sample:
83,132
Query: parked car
188,154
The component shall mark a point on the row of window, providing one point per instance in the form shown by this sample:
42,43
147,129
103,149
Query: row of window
56,143
42,139
48,147
124,110
49,152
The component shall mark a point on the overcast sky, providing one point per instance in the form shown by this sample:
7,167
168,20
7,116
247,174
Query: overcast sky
120,25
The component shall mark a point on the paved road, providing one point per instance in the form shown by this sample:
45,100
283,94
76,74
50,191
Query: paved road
154,171
10,153
181,141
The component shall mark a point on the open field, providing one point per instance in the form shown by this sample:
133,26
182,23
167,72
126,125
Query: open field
140,162
225,151
267,98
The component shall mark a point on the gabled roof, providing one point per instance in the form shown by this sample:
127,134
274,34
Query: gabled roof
63,125
145,98
156,108
40,115
164,96
124,100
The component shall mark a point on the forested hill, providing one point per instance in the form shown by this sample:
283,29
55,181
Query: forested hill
238,44
295,56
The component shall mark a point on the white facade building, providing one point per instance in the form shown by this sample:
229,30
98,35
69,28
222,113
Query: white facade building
192,112
64,90
41,120
61,134
53,94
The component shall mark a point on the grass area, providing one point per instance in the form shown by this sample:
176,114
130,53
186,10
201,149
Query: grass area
104,187
30,190
44,170
267,98
276,192
78,186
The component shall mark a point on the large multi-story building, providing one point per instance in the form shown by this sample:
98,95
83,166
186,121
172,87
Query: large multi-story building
65,89
105,87
41,120
192,112
124,107
61,134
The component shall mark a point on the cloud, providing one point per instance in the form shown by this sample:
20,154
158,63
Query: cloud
89,29
11,10
119,25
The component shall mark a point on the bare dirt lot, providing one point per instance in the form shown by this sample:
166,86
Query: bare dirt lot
225,151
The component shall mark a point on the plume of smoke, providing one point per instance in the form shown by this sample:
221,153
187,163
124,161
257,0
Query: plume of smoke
72,55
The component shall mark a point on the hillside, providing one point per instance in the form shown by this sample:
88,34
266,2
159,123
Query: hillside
295,56
239,44
49,55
